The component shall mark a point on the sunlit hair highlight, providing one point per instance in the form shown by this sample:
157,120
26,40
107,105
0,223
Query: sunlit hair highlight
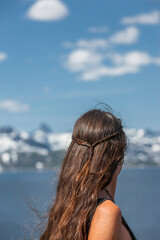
98,145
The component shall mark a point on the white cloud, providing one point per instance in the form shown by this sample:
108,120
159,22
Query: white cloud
96,43
92,67
3,56
47,10
82,59
92,61
123,64
102,29
128,36
13,106
145,18
134,58
95,74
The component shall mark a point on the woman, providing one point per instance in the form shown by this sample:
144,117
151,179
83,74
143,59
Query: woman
84,205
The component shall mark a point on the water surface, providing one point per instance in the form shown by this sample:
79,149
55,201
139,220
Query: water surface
137,194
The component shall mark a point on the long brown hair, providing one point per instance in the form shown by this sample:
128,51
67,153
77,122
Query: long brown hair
82,176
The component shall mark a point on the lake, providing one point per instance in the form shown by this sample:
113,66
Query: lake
137,194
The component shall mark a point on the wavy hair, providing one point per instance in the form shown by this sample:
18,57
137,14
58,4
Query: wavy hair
82,176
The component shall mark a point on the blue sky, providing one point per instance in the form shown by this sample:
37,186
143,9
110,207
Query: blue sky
59,59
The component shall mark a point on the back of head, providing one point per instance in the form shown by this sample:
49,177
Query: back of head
98,145
95,125
104,132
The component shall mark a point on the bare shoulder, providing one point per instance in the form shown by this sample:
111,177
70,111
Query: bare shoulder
106,222
109,207
108,210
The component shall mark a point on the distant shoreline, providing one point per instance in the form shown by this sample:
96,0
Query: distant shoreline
57,168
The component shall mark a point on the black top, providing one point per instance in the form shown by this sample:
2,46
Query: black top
99,201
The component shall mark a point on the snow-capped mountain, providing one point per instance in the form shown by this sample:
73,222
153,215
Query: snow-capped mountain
144,146
42,148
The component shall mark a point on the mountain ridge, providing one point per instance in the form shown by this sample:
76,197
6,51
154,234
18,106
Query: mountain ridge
42,148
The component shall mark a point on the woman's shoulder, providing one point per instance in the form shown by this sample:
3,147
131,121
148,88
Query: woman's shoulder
108,208
106,221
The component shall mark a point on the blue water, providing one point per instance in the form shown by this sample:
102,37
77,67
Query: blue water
137,194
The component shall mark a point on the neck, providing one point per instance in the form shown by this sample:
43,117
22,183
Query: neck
112,186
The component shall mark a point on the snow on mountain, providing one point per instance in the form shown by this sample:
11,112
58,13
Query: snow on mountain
54,141
37,149
144,146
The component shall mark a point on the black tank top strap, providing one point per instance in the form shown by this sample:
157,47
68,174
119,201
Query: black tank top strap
101,200
109,194
128,228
